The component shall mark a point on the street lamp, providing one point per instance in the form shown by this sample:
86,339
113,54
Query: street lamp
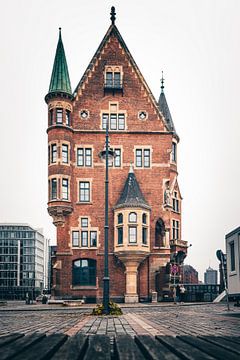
107,155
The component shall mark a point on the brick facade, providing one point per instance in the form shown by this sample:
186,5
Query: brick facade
151,133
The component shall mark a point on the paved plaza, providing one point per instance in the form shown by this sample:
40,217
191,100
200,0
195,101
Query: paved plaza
142,319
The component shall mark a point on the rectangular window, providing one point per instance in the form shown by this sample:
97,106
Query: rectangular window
75,238
146,154
59,116
84,238
138,158
88,157
53,153
174,152
84,222
104,121
84,157
120,235
117,79
51,117
68,118
109,79
117,159
65,189
53,189
80,157
64,153
232,256
113,121
93,238
121,121
84,191
132,236
144,236
175,229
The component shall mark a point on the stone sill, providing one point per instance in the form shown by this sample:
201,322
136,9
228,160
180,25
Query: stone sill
84,288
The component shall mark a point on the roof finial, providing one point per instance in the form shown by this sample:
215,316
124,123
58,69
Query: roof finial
162,81
60,33
113,15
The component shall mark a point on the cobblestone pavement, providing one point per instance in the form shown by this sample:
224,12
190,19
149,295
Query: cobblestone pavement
164,319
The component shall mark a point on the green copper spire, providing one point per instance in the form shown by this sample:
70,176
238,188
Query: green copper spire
60,81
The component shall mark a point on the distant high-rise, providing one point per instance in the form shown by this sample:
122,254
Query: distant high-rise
23,266
210,276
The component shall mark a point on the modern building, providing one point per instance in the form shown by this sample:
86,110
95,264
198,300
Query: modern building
233,262
210,276
22,260
189,275
144,196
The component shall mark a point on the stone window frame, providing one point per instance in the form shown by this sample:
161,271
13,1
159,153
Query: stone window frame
142,148
173,153
89,230
84,147
113,69
50,152
176,202
113,165
59,179
145,225
113,108
90,181
175,229
52,108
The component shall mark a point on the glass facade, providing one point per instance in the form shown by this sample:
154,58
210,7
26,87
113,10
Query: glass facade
21,259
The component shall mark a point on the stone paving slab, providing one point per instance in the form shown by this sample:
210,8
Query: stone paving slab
207,319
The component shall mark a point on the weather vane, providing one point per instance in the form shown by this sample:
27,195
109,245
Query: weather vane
113,15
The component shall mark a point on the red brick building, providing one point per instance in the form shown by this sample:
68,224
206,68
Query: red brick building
144,196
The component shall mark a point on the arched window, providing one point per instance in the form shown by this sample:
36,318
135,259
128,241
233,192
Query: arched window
132,217
144,218
159,233
84,272
120,218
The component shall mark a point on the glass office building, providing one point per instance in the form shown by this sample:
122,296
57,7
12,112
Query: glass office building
22,261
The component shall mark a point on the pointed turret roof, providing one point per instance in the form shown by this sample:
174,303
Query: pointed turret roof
132,195
60,81
163,107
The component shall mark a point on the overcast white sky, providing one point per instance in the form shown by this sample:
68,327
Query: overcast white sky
195,42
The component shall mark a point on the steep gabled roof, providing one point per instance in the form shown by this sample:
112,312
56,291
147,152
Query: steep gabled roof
113,31
163,107
132,195
60,81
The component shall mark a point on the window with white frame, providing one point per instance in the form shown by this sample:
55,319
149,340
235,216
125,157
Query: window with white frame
59,115
64,153
53,153
117,158
115,121
84,191
132,234
132,217
175,229
75,238
53,189
86,236
142,158
175,202
68,117
84,157
65,195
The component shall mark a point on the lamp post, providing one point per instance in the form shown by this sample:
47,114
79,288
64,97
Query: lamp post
107,154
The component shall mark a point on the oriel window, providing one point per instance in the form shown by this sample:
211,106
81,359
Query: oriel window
53,153
59,116
68,118
65,189
65,153
53,189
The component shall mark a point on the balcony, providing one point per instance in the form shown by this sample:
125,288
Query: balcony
113,85
177,242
